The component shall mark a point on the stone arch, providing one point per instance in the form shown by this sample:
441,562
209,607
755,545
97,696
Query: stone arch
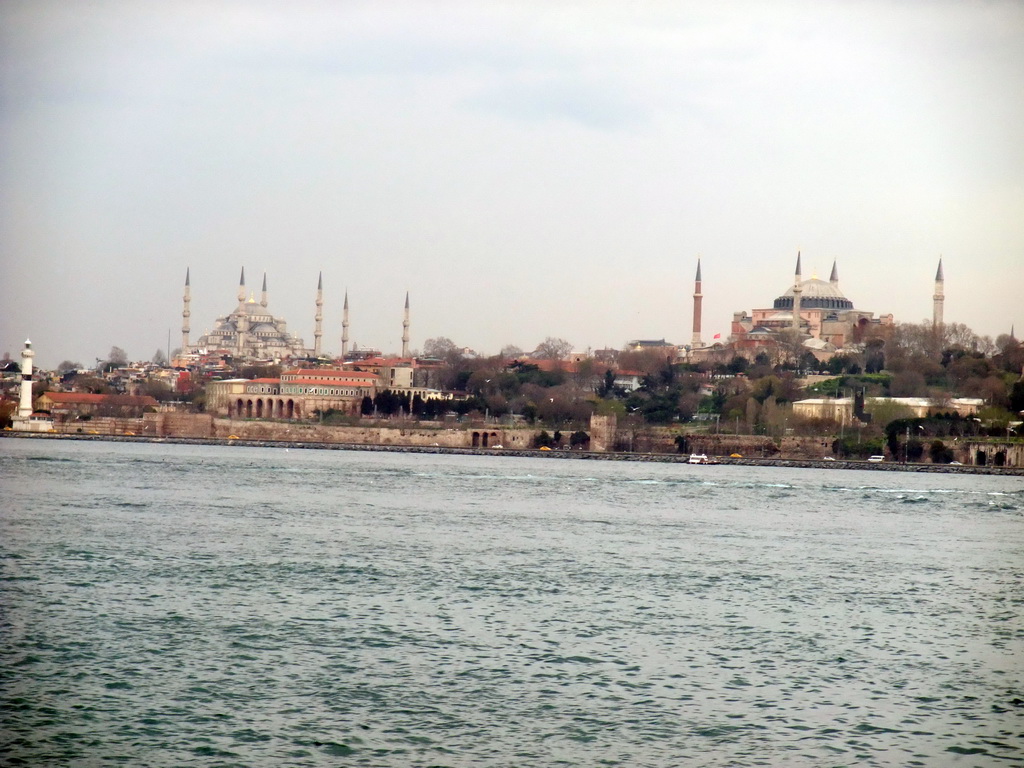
999,459
980,458
259,408
290,412
239,407
248,409
476,439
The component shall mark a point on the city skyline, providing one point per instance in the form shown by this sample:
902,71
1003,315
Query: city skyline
521,170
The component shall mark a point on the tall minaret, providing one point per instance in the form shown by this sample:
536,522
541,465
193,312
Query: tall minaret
25,406
697,297
318,329
405,328
834,279
938,298
240,325
263,297
344,327
186,313
797,290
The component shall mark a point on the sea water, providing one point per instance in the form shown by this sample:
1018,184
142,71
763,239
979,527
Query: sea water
172,605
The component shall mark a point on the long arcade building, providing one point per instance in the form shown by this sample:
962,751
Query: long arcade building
297,394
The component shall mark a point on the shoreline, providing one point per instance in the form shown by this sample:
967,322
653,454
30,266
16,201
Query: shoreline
662,458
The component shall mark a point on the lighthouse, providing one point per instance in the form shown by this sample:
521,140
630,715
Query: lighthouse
23,421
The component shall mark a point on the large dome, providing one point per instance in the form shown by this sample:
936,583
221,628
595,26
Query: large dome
815,294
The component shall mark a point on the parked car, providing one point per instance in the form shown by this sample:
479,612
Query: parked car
876,459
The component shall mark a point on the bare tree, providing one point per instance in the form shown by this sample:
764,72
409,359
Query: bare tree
117,356
552,349
441,348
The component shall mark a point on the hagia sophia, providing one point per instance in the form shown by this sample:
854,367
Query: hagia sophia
814,312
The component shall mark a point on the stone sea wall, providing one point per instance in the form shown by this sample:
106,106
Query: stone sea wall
649,443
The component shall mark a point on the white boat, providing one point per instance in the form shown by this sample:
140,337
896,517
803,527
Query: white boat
699,458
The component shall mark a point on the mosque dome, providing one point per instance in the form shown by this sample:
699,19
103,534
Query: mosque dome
815,294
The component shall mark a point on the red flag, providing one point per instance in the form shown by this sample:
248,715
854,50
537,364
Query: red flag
718,335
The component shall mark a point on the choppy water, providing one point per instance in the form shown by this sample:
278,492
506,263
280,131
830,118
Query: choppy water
168,605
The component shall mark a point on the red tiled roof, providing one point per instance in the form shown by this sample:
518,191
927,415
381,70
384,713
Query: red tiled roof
326,375
334,382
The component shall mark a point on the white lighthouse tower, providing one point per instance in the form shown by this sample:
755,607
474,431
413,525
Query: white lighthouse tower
23,421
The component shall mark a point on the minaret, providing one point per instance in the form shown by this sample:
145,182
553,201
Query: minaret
240,323
263,298
25,406
405,328
834,279
938,298
318,328
697,297
797,290
186,313
344,327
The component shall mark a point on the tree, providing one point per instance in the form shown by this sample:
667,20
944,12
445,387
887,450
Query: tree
158,390
118,357
7,411
579,439
68,365
939,453
737,365
543,440
1017,396
441,348
159,358
886,411
510,352
552,349
908,383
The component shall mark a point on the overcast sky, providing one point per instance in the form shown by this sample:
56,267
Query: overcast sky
523,169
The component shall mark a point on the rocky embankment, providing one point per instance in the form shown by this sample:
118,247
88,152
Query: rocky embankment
885,466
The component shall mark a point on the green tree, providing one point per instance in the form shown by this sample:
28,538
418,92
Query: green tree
607,386
1017,396
579,439
939,453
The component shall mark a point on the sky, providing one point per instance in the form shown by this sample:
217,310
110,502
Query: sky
522,169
